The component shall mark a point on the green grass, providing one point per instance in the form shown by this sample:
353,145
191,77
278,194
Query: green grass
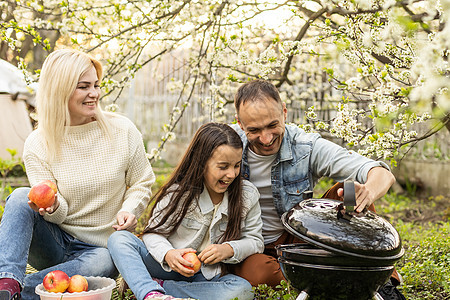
424,227
425,265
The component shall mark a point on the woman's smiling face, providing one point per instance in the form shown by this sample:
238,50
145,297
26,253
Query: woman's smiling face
84,100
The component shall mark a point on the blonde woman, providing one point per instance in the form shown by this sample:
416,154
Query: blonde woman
98,162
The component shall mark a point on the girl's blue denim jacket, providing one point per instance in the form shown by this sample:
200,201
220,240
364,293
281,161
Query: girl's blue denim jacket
303,158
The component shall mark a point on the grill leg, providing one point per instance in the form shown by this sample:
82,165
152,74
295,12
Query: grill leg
304,296
377,296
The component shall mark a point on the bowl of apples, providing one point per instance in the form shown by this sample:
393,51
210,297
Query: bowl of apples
58,285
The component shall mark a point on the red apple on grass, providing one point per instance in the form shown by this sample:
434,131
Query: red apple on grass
77,283
56,281
193,258
43,194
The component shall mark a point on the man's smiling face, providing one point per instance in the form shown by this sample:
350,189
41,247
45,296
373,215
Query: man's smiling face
263,123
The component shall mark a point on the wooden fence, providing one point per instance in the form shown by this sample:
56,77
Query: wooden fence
149,103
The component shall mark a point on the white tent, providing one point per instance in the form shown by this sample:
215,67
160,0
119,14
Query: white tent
15,124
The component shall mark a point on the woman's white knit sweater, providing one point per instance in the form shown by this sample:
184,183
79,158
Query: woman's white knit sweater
97,176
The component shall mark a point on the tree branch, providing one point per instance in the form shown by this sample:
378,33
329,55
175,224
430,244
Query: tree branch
298,38
175,12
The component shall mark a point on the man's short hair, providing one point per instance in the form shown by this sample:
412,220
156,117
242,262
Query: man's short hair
256,90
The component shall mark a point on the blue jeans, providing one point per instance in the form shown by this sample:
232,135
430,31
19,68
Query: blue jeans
26,237
137,267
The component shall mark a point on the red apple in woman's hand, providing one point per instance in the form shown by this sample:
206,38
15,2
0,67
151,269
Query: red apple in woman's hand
43,194
77,283
193,258
51,184
56,281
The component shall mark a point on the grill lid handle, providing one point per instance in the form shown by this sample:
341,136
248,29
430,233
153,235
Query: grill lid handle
307,195
349,196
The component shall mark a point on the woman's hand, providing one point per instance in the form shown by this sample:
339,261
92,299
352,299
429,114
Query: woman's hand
43,211
215,253
125,221
177,263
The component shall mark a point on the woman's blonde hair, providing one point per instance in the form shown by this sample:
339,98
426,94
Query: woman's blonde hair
58,80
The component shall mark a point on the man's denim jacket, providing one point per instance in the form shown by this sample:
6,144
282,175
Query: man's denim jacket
303,159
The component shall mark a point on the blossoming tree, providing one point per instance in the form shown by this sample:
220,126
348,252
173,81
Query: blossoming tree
381,65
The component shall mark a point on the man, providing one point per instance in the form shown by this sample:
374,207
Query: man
283,161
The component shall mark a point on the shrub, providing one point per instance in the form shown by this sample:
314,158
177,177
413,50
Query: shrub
9,167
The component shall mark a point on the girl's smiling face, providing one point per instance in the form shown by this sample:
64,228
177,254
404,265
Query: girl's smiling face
84,100
221,169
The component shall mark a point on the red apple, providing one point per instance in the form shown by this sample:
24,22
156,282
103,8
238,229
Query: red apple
43,194
193,258
56,281
51,184
77,284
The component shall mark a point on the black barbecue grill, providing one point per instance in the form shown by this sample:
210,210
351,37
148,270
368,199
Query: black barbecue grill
347,255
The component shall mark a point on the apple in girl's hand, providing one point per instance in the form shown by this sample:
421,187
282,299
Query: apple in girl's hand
43,194
56,281
77,283
193,258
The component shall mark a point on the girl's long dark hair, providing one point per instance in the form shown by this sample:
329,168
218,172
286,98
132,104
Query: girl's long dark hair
188,179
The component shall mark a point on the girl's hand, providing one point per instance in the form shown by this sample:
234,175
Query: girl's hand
177,263
125,221
43,211
215,253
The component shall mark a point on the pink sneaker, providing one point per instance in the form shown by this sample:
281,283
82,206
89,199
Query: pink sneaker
9,289
159,296
159,281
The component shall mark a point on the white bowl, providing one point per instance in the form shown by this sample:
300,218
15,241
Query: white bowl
100,288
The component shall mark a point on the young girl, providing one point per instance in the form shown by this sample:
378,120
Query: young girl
205,208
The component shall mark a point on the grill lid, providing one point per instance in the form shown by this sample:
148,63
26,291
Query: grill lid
327,224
